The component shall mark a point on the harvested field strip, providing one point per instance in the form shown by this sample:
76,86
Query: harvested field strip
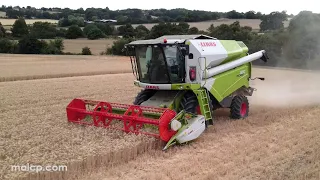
26,67
28,21
33,77
96,46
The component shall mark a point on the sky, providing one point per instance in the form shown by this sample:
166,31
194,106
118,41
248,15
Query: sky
207,5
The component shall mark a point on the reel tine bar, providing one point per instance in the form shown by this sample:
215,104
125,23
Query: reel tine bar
133,117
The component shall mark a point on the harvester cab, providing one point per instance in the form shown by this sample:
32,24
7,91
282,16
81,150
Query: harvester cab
184,79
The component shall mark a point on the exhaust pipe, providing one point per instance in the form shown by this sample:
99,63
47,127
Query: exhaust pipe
225,67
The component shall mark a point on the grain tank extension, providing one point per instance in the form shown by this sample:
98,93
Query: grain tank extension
184,79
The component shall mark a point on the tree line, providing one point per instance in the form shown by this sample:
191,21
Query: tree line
46,30
69,16
296,46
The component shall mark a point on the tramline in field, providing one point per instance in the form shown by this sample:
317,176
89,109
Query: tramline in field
184,79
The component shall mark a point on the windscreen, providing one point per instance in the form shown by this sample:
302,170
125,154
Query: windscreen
159,64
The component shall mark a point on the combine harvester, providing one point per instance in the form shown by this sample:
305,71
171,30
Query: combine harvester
184,79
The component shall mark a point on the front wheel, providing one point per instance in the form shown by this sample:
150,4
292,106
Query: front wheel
239,108
143,95
190,103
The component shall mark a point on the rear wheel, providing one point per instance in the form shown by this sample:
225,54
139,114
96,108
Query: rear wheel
239,107
143,96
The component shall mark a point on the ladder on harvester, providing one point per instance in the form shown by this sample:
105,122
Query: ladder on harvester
205,106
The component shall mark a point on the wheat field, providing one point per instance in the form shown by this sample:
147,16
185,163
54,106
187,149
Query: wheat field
96,46
279,139
3,14
9,22
26,67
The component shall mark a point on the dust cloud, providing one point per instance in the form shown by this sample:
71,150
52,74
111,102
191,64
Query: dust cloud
286,88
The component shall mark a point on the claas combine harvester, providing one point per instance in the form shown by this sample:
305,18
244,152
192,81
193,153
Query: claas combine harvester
184,79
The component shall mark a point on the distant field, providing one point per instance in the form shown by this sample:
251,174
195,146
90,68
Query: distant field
8,22
76,45
7,27
96,46
2,14
254,23
25,67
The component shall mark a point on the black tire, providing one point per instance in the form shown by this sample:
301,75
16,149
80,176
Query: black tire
239,108
143,96
189,102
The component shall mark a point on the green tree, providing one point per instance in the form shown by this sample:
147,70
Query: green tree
95,33
168,29
271,44
61,33
159,30
31,45
233,32
106,28
2,31
183,27
7,46
63,22
210,28
118,47
88,27
273,21
252,15
141,32
43,30
74,32
303,46
19,28
127,31
71,20
86,51
54,47
193,30
235,15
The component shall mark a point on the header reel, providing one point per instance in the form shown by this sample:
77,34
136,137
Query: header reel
161,123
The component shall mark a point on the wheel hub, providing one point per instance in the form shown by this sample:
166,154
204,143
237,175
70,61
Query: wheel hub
243,110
